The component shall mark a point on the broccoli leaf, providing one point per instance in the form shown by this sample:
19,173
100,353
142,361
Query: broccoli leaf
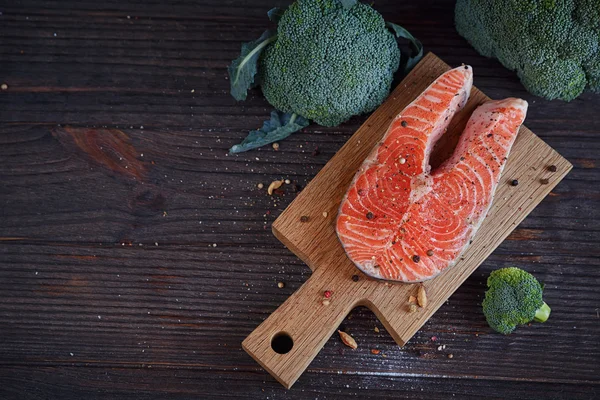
275,14
408,62
243,69
280,126
348,4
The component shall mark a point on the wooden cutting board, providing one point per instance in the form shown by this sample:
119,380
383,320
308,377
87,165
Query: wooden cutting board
286,342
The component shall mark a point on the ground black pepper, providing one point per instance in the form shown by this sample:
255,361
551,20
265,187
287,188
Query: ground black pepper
544,181
552,168
416,258
304,218
370,215
355,278
514,182
404,123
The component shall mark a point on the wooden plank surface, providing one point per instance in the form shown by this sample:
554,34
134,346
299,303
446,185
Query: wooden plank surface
173,315
303,318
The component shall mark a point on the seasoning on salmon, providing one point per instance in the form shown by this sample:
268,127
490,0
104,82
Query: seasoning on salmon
425,219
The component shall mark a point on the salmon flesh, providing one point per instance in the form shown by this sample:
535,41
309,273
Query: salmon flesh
399,220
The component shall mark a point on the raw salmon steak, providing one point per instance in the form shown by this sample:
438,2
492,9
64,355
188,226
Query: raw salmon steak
400,221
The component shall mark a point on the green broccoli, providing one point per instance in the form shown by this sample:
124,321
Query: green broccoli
328,61
552,44
514,298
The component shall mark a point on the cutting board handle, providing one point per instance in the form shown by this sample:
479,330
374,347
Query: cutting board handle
286,342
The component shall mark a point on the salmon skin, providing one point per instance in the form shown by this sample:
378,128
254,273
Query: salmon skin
400,221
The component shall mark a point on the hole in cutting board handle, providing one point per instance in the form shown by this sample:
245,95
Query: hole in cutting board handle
282,343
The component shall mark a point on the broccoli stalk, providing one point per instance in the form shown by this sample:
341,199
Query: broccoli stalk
542,313
514,297
328,61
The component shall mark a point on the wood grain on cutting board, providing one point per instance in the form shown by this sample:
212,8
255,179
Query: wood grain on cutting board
304,317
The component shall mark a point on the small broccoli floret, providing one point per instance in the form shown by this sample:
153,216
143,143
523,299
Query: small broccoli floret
329,62
514,298
552,44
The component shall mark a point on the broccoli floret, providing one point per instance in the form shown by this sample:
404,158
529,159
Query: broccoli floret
552,44
514,298
329,62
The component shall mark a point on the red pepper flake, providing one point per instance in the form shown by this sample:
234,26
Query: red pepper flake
316,152
327,294
434,338
268,212
375,351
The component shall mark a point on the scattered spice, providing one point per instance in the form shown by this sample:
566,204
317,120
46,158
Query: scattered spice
514,182
552,168
370,215
412,299
260,186
450,355
4,86
275,146
544,181
316,152
402,160
280,285
274,185
422,296
327,294
439,348
348,340
376,329
434,338
287,181
325,214
355,278
375,351
430,252
404,124
325,302
304,218
412,308
416,258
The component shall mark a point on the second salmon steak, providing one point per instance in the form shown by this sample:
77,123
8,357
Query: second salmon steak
401,221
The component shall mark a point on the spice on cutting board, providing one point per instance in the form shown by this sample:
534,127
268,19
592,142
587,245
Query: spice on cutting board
422,296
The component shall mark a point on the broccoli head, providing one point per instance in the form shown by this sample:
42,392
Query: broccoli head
329,61
514,297
552,44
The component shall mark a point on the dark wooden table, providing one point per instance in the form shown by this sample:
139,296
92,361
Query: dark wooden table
135,254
